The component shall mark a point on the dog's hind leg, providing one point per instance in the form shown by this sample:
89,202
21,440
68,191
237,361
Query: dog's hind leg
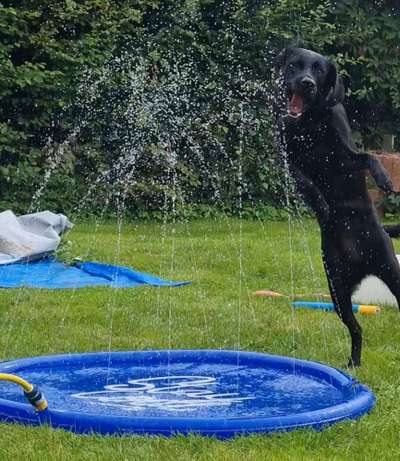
344,309
390,274
341,298
386,266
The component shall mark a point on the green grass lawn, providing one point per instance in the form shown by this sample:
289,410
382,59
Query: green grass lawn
227,261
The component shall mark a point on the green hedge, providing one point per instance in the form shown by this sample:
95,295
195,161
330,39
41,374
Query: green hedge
83,83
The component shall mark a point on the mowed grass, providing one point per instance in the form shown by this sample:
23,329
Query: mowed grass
227,260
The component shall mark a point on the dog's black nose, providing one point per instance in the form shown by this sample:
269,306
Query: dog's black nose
307,83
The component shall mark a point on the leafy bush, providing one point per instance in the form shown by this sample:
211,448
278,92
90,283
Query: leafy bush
83,84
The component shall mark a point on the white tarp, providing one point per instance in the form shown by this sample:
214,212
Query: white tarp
30,236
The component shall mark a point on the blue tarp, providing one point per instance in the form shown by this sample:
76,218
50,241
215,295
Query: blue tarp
50,273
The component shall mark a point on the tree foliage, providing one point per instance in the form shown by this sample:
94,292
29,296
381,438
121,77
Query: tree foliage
59,129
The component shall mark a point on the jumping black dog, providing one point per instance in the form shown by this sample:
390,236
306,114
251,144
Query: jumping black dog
314,136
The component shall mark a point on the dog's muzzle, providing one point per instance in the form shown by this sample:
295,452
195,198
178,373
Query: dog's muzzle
304,89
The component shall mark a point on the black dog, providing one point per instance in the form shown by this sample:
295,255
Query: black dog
314,135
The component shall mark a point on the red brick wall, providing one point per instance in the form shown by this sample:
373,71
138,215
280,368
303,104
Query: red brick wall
391,162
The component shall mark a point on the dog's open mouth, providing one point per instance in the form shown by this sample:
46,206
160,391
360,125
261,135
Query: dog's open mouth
295,106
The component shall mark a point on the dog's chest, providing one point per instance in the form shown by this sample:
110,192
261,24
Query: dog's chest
310,152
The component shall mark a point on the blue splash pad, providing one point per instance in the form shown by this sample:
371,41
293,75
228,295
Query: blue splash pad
213,393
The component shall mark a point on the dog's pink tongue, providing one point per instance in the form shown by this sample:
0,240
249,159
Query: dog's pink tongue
296,105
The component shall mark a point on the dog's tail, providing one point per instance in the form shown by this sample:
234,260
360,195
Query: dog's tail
393,230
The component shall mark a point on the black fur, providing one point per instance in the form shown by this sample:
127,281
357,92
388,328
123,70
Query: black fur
314,133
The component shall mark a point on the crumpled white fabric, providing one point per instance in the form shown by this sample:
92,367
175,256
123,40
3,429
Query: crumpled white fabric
30,236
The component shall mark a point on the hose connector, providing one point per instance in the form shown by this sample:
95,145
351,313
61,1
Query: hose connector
36,398
31,392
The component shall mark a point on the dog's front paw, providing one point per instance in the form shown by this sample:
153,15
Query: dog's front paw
384,182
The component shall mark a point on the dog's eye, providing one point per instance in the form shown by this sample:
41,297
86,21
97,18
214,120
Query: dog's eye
295,65
317,68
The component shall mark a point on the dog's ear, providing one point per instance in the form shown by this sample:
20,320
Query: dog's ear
334,88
